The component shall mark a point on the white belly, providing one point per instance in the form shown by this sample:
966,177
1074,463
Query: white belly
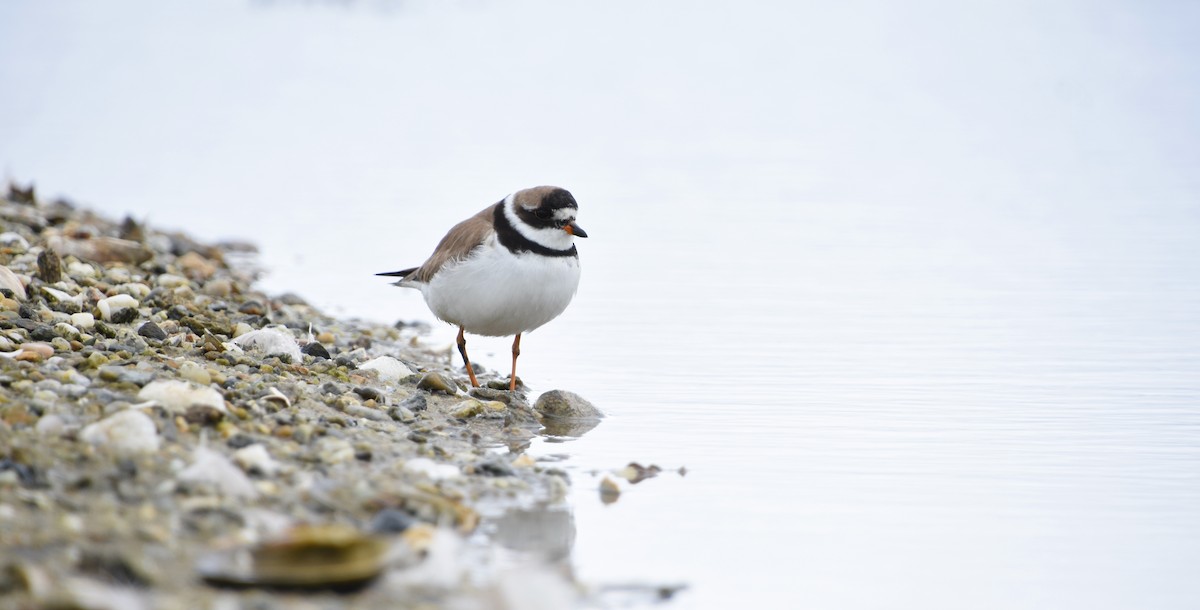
497,293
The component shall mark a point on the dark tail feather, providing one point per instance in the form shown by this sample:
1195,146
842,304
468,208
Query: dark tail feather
399,273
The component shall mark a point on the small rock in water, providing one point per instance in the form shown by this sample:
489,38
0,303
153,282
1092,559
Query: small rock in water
125,433
176,396
316,350
566,405
388,368
609,491
150,330
271,341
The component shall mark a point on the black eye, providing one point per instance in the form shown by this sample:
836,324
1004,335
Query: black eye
543,214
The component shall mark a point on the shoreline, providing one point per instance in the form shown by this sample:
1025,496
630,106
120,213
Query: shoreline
171,436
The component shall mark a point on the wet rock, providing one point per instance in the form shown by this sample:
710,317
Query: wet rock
127,432
562,404
636,473
609,491
150,330
495,467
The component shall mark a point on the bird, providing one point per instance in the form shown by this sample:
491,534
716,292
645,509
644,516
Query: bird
505,271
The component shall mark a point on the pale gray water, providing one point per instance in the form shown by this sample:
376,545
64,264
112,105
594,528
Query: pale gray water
912,293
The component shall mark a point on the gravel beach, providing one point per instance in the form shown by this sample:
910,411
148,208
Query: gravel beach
170,437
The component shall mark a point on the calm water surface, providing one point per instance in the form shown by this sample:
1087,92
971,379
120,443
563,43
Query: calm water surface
913,295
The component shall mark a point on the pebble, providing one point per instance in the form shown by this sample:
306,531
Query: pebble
387,367
194,372
80,270
127,432
316,350
150,330
51,425
255,460
8,239
326,337
273,341
218,288
430,469
566,405
49,266
176,396
213,469
113,304
436,382
390,521
196,266
83,320
168,280
9,281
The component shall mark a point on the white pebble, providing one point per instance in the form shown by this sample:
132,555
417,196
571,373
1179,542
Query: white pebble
14,240
79,270
176,396
126,432
168,280
83,320
388,368
271,341
431,469
50,425
213,468
114,303
255,458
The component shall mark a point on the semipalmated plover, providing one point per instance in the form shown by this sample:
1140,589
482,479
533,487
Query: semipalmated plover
504,271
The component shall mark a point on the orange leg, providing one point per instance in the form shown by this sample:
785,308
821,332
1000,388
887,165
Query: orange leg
462,349
512,382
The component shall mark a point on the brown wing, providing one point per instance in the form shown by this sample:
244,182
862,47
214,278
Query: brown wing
457,244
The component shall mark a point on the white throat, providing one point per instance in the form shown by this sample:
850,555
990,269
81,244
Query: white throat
555,239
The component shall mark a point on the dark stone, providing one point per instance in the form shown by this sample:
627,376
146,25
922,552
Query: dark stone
49,266
494,468
43,333
316,350
253,308
105,330
26,474
205,415
346,361
238,441
25,323
370,394
390,521
113,568
124,315
330,387
415,403
150,330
